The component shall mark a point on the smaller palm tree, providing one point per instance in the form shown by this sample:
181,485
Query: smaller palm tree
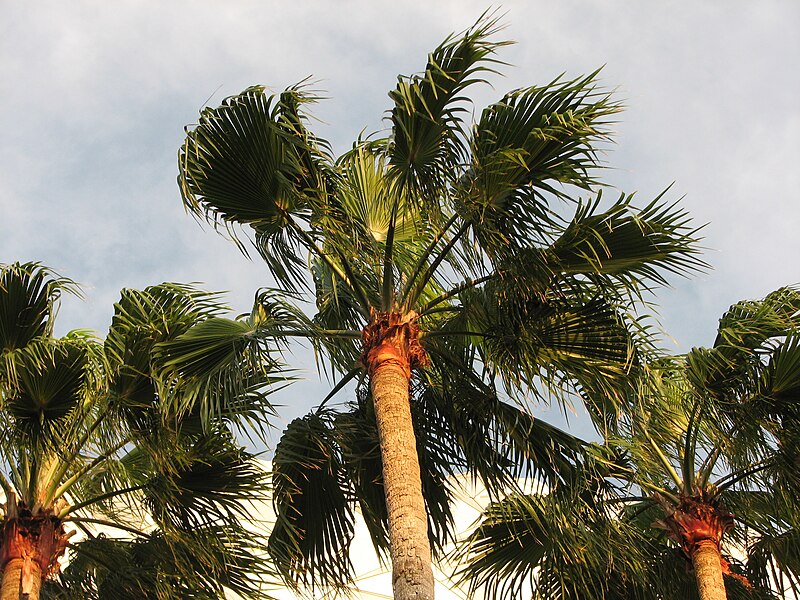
99,445
709,458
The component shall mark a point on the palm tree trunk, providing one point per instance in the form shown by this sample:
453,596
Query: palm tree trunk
390,372
30,547
707,564
698,523
19,585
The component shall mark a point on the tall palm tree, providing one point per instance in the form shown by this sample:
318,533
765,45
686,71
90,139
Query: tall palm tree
709,457
96,444
441,262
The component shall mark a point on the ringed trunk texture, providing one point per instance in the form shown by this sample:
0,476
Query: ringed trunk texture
13,576
698,523
30,547
391,351
707,563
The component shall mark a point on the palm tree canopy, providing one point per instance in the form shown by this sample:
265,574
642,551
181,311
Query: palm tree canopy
101,435
716,427
474,233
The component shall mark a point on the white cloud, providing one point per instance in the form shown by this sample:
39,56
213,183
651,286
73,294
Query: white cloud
95,97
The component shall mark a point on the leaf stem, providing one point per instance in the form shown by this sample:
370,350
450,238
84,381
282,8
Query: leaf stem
88,468
76,507
665,462
466,285
107,523
345,275
78,446
425,255
733,478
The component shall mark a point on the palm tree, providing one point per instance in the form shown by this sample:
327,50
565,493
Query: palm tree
96,444
440,262
710,457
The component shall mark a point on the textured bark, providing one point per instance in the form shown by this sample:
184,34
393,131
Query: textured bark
698,524
30,547
707,563
19,576
391,351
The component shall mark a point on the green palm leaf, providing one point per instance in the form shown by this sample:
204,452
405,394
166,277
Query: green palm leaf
523,148
427,137
50,380
784,371
252,162
638,246
28,296
151,567
558,551
314,522
744,335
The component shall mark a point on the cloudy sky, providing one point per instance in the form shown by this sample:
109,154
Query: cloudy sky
95,96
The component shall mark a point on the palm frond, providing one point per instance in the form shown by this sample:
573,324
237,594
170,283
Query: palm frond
774,561
204,481
170,349
337,309
29,294
252,162
54,383
310,540
427,132
748,324
199,565
474,430
556,341
633,247
531,542
524,148
784,371
218,369
744,331
367,197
